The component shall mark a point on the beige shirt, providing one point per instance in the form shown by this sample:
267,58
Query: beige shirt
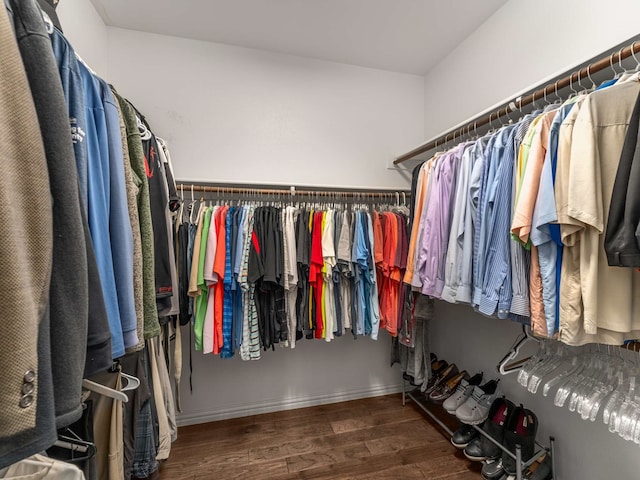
598,303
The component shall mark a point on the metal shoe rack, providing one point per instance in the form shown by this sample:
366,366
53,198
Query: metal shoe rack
521,466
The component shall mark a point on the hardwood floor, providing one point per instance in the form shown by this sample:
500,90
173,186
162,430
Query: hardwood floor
374,438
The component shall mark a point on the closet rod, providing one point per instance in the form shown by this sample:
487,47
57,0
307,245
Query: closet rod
603,63
187,187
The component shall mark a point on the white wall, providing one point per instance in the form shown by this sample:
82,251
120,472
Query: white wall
86,31
234,114
238,115
519,46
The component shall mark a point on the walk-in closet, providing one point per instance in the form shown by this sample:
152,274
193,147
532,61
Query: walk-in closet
298,239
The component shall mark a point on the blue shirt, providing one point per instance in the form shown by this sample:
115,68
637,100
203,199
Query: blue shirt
99,202
481,227
227,299
72,85
119,222
496,284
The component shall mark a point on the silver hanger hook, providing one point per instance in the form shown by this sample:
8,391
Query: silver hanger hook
506,112
533,101
575,92
633,54
593,84
615,72
555,89
620,60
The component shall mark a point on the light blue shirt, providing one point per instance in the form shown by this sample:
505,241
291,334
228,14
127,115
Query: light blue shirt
99,203
482,226
373,298
120,230
496,286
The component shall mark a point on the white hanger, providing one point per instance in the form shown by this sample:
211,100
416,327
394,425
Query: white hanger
103,390
132,382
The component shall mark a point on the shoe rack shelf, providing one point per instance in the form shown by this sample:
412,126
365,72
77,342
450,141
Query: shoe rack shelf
418,398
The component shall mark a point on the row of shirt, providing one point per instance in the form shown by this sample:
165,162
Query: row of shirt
87,243
514,223
254,276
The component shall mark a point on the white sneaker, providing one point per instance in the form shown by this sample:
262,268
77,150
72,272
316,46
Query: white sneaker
476,409
462,393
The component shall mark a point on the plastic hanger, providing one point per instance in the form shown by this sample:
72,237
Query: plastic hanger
103,390
506,368
132,382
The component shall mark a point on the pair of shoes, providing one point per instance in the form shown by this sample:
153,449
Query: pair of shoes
447,387
441,376
462,393
475,409
485,450
510,426
464,436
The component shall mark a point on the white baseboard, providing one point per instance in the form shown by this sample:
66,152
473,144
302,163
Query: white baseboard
284,404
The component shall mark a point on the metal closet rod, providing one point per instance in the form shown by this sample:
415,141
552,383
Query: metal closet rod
605,62
187,188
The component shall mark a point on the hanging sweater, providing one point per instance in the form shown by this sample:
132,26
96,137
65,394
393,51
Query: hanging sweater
136,155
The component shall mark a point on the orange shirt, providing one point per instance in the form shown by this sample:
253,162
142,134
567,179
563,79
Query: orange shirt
421,196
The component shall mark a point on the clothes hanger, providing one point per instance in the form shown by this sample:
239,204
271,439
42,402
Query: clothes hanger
506,368
555,89
132,382
633,54
575,92
593,84
103,390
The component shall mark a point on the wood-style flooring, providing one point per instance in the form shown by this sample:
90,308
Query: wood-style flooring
373,438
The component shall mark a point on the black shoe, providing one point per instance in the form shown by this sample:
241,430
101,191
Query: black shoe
499,414
543,472
493,469
463,436
521,429
473,451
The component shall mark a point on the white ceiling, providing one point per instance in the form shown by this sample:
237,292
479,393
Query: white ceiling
408,36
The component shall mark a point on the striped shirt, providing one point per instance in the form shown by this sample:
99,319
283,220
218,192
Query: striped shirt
227,309
496,285
481,226
520,258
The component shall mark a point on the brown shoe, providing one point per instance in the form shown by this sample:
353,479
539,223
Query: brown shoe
446,388
446,374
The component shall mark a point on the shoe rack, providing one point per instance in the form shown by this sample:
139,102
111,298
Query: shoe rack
418,398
